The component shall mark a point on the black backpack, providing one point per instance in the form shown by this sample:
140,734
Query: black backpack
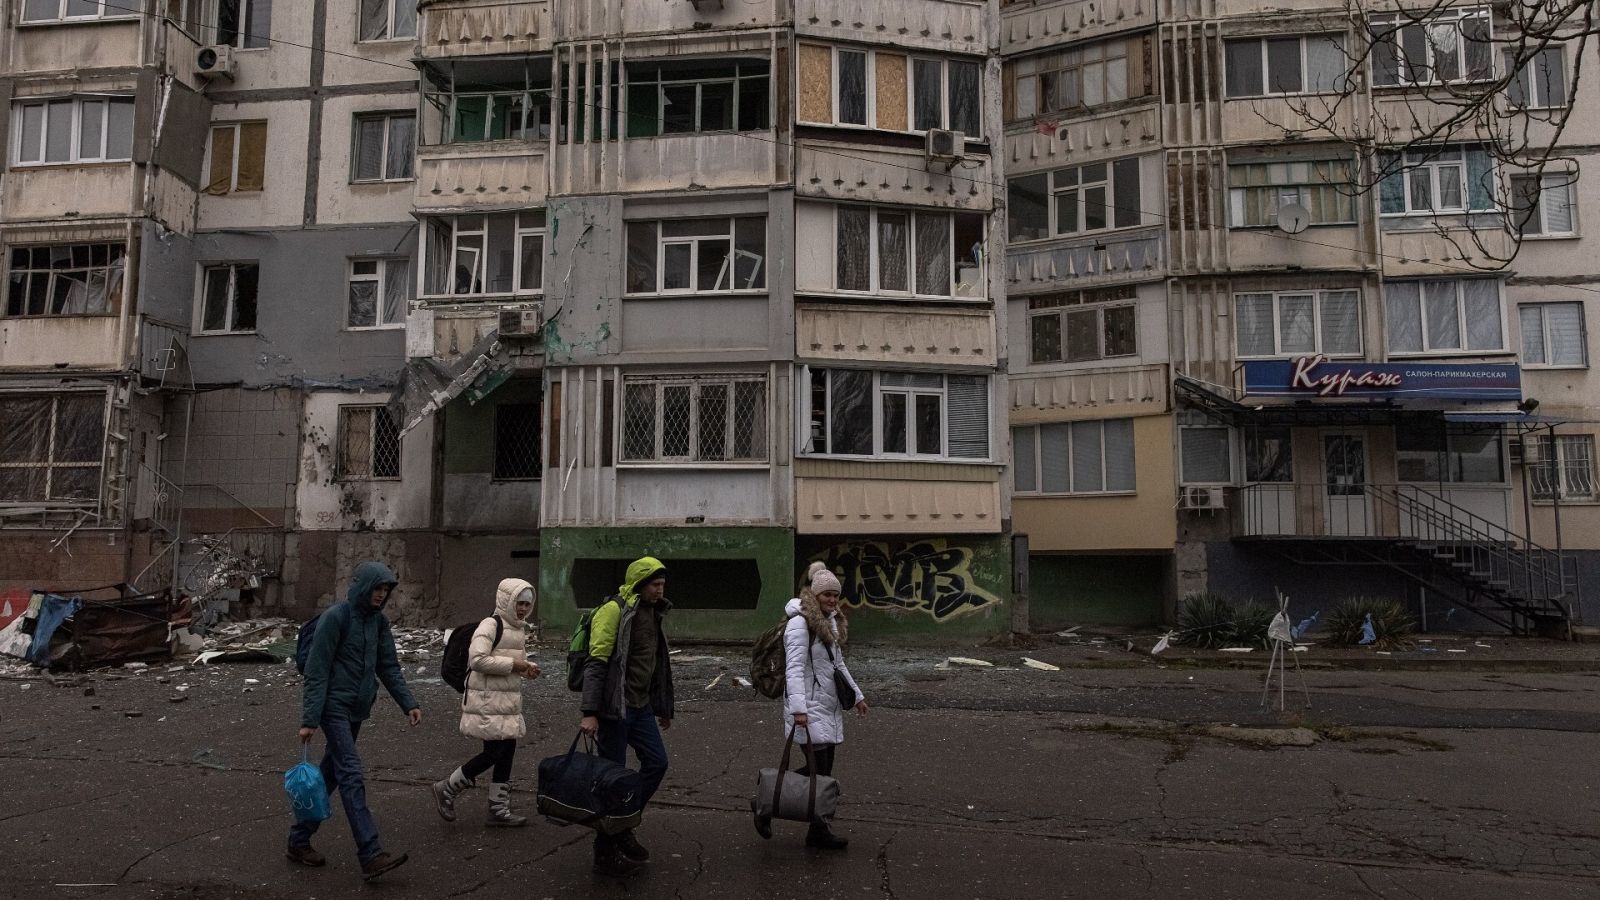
453,668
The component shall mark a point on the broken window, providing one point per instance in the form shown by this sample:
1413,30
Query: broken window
1075,326
246,24
1028,207
379,290
1453,46
1079,78
516,441
899,251
1326,188
694,418
238,158
85,128
51,447
862,413
369,444
475,256
697,255
472,101
385,146
65,280
228,298
386,20
696,97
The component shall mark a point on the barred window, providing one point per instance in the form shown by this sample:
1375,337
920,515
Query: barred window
1564,467
369,444
700,418
65,280
516,441
50,447
1326,188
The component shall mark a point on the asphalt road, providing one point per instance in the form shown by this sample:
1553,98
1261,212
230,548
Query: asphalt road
963,783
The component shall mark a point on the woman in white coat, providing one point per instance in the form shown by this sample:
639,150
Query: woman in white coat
491,706
813,650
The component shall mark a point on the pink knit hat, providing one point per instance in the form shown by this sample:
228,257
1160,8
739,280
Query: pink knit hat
823,581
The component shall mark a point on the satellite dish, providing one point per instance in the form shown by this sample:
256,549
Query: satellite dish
1293,218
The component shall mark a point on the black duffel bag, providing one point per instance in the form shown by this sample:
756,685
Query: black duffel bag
584,788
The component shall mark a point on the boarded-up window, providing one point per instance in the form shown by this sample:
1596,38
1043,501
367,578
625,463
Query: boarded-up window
369,444
816,83
891,78
50,447
238,158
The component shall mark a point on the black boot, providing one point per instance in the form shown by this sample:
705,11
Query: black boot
823,838
764,826
629,846
609,861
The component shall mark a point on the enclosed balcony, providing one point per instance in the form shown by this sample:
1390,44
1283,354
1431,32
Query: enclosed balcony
484,135
452,29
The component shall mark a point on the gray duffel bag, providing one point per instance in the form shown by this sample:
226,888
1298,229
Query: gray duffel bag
782,794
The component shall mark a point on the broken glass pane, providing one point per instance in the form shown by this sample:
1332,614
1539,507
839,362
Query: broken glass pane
969,230
214,315
675,267
244,297
712,268
716,106
1027,215
752,103
363,304
750,251
677,113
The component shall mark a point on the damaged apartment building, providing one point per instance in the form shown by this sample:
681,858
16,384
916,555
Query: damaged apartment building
490,289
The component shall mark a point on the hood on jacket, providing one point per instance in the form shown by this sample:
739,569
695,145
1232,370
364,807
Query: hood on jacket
506,596
817,620
639,571
370,574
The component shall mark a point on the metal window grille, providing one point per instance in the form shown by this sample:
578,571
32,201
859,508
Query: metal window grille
369,444
516,441
695,419
1566,465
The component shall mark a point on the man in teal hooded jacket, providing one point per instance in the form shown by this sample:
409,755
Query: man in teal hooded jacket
627,694
352,651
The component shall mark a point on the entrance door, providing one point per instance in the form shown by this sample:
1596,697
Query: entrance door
1347,498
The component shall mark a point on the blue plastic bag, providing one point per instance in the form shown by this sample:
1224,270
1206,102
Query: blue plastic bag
308,793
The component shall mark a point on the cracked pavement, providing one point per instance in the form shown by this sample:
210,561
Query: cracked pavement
963,783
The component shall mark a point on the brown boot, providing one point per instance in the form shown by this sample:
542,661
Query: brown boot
380,864
307,856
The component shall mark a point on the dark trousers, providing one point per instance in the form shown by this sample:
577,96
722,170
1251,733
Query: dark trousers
341,770
637,729
821,758
496,755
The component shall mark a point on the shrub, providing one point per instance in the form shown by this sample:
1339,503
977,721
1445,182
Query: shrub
1391,623
1250,622
1205,621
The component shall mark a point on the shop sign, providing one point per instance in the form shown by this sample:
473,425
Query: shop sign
1318,377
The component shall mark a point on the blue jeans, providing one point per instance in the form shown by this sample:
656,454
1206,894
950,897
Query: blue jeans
637,729
341,769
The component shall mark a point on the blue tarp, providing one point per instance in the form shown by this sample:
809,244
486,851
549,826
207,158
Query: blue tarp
54,610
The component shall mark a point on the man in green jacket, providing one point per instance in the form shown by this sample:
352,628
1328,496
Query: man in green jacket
352,651
627,693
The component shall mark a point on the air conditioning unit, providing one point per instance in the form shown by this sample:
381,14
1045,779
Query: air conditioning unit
1212,497
950,146
1526,452
525,321
215,61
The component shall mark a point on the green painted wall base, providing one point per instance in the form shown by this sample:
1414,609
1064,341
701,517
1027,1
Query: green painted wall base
1096,590
914,589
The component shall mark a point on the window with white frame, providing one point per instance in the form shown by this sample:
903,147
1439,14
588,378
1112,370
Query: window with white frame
1553,335
1543,205
1452,315
1205,450
694,418
75,10
1436,180
856,412
1095,457
228,298
1413,48
885,250
65,279
697,256
1077,326
890,91
385,147
387,20
51,447
483,255
697,97
1081,78
1325,188
369,444
1075,200
1541,82
82,128
245,24
1287,64
238,158
379,290
1563,467
1285,323
1450,454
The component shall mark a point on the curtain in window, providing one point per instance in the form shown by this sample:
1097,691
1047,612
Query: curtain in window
1341,322
1404,313
1481,301
933,254
375,18
1442,314
1297,331
1253,324
854,249
402,145
850,413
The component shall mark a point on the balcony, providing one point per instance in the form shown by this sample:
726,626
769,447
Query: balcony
891,175
60,343
1423,252
74,46
1102,258
1043,25
943,26
449,29
847,497
75,192
1089,394
582,20
481,176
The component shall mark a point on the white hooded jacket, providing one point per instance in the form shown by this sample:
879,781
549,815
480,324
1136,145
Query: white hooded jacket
809,675
491,707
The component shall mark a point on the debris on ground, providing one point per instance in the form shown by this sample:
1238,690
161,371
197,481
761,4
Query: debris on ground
969,661
1042,666
715,680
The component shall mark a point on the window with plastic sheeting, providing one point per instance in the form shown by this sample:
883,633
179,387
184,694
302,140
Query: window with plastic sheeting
898,414
65,280
483,255
1563,466
516,441
1204,448
369,444
51,447
238,158
1444,316
1553,335
379,291
697,256
385,147
1297,323
1095,457
387,20
694,419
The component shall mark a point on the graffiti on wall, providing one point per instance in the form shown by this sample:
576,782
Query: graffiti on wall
928,576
